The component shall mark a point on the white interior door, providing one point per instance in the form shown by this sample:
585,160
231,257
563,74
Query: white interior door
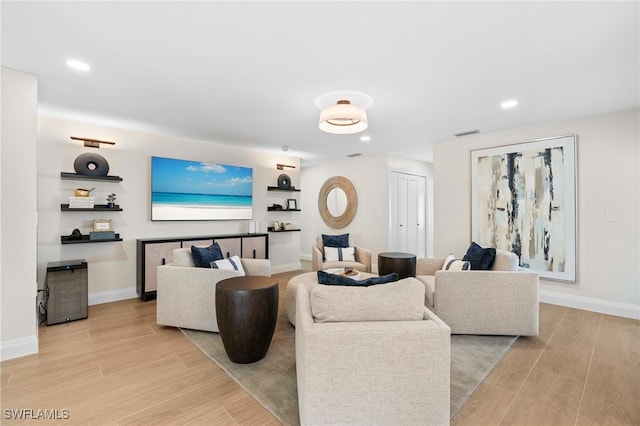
407,204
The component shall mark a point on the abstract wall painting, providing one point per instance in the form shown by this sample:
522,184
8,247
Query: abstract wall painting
523,200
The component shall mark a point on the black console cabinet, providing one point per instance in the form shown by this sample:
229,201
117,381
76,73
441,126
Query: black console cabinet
153,252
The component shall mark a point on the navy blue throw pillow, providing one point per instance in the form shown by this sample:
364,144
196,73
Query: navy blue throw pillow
335,240
202,257
335,279
480,258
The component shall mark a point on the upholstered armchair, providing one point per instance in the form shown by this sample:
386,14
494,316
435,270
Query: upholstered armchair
359,362
186,294
361,262
500,301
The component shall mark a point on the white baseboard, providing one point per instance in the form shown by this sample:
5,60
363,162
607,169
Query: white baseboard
112,295
305,256
286,268
21,346
626,310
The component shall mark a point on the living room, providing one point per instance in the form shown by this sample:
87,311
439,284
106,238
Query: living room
606,179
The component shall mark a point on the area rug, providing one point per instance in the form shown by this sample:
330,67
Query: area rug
272,380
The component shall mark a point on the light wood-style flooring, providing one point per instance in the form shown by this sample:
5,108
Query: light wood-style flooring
119,368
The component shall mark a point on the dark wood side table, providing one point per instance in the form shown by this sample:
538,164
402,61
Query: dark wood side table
402,263
246,310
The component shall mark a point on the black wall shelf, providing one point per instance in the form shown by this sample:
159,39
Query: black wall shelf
76,176
271,209
271,229
96,208
85,239
276,188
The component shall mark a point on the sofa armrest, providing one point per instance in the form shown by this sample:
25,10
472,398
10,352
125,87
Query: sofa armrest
401,366
363,256
488,302
316,258
259,267
429,265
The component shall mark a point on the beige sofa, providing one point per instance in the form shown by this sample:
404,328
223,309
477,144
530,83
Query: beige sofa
358,368
362,259
502,301
186,295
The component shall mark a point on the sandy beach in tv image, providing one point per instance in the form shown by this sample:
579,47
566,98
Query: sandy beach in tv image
194,190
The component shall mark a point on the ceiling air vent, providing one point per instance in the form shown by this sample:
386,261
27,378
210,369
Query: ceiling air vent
355,154
467,133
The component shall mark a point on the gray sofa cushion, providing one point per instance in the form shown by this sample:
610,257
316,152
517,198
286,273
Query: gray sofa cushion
399,301
506,261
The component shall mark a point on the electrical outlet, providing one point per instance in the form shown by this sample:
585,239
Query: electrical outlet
611,216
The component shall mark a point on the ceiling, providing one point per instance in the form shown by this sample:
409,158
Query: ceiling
248,73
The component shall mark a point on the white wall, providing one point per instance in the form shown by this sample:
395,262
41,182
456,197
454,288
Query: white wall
112,265
607,179
369,176
18,216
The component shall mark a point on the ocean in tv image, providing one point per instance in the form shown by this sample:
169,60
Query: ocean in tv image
193,190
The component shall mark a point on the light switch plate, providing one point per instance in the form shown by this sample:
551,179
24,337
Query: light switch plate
611,216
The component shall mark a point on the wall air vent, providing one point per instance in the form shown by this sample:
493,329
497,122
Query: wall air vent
467,133
355,154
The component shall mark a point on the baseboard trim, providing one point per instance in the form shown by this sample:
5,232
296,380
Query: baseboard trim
626,310
112,295
286,268
305,256
21,346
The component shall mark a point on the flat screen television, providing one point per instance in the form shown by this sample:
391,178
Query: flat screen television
193,190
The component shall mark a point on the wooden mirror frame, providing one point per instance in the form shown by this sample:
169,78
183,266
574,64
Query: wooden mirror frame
338,222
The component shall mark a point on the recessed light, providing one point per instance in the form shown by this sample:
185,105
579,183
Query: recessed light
365,138
509,104
78,65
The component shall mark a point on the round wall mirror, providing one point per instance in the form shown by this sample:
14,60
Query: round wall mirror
337,202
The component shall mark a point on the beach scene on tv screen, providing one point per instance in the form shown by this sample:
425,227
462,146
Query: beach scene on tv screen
193,190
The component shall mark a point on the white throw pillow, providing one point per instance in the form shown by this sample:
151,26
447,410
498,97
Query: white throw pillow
453,264
332,254
232,263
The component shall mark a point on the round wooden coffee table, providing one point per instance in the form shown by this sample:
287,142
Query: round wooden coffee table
247,310
402,263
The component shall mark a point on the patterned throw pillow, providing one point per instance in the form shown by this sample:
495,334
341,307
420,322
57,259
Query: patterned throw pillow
347,254
453,264
203,256
232,263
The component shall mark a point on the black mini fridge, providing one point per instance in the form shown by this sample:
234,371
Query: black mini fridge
67,291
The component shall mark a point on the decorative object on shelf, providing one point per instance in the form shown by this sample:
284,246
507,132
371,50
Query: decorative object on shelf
81,192
292,204
284,181
90,164
102,225
92,143
276,225
81,202
111,198
102,235
276,207
282,166
75,235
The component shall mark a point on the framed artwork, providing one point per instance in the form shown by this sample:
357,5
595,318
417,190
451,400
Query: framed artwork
292,204
523,200
102,225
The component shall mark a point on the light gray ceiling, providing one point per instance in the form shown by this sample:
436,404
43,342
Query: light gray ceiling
247,73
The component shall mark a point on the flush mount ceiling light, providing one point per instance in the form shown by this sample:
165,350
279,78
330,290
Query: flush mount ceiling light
343,118
512,103
343,112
